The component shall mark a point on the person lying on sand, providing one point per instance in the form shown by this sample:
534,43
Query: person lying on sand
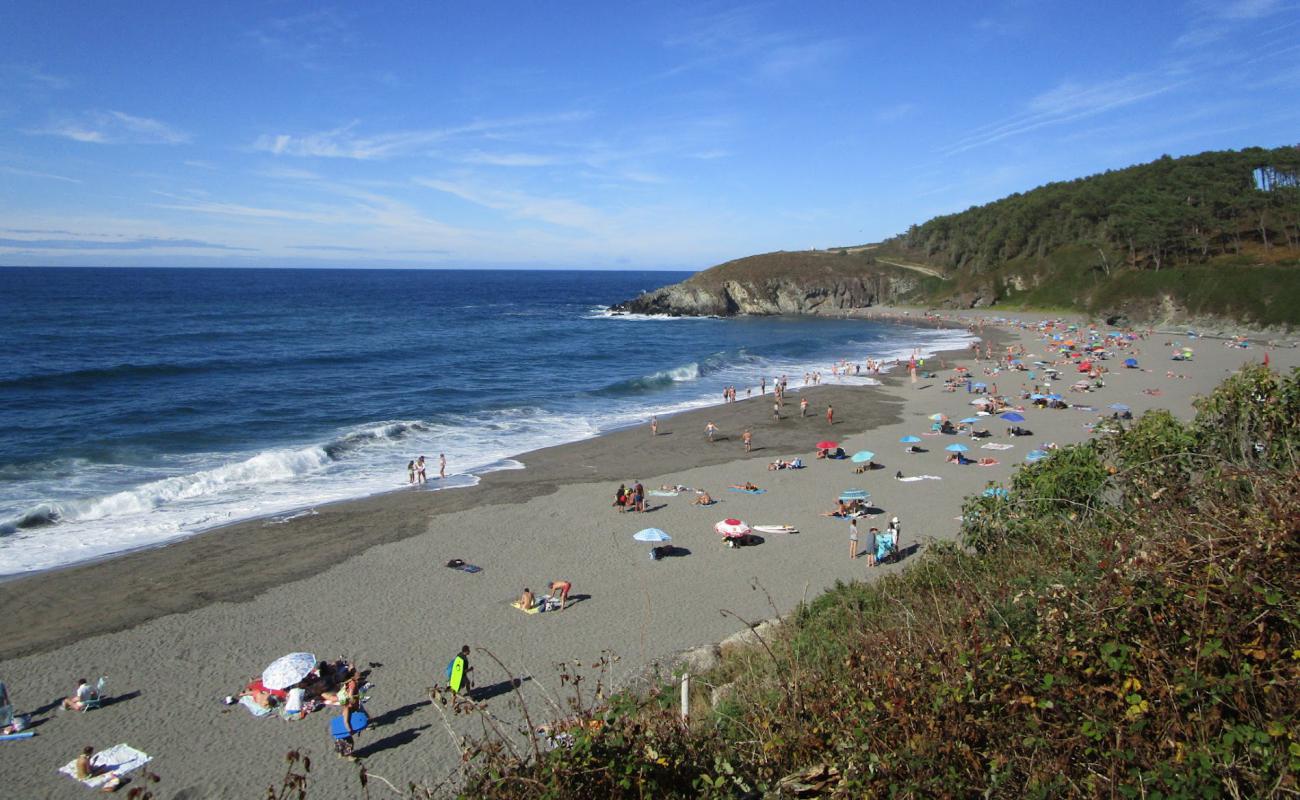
746,486
702,499
842,509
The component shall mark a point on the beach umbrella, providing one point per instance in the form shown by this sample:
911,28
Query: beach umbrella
979,386
961,369
854,494
651,535
938,417
909,439
996,491
731,527
970,420
1130,362
1012,416
827,445
1119,407
1055,397
956,448
1037,396
285,671
863,455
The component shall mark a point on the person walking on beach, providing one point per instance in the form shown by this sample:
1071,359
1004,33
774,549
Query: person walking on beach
410,471
776,412
830,414
442,465
654,426
419,470
711,430
458,670
803,406
853,539
748,438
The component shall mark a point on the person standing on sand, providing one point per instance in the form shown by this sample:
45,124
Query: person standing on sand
853,539
776,412
748,438
803,407
442,465
711,430
638,496
830,414
458,671
654,426
410,471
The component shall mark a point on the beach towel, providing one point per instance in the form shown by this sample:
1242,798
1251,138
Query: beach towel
662,493
536,609
253,708
748,491
996,446
921,478
113,762
457,564
704,505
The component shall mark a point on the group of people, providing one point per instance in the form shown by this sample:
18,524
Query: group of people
416,468
880,546
558,598
630,499
330,683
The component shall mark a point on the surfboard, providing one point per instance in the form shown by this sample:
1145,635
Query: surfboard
359,722
776,529
9,737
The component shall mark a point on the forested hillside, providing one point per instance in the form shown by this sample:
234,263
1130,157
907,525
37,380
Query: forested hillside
1223,227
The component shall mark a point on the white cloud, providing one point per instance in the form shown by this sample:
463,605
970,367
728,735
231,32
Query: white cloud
115,127
35,174
556,211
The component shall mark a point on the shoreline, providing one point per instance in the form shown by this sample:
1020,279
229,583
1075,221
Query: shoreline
387,601
82,594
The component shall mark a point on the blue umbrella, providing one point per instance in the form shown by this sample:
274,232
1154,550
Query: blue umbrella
1119,407
996,491
1130,362
863,455
1012,416
854,494
910,440
652,535
956,448
969,420
1055,397
1037,397
979,385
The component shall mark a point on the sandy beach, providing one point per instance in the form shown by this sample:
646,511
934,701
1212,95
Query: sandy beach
177,628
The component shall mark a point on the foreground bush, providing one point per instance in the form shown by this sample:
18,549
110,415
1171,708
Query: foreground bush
1125,623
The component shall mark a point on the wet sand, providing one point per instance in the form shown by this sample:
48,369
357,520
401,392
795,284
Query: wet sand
179,627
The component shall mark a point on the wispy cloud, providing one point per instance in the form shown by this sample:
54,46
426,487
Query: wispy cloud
330,248
31,77
305,39
739,36
1212,20
346,142
31,173
1067,102
510,159
556,211
115,127
895,113
113,244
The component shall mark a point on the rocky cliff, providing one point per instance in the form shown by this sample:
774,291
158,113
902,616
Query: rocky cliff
780,283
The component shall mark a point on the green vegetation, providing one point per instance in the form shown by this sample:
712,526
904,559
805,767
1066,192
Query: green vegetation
1126,623
1197,232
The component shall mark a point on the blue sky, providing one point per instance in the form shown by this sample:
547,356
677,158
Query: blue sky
591,134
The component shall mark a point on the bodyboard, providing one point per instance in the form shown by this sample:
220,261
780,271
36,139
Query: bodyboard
360,720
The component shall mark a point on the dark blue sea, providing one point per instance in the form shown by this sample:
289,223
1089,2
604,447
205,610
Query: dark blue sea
138,406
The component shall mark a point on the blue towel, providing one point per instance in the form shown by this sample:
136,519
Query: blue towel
748,491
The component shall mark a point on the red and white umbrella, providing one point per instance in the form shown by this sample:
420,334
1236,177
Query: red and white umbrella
731,528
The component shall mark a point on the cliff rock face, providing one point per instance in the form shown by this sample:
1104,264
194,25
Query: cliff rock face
760,297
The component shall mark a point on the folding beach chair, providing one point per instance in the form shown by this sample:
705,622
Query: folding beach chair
97,699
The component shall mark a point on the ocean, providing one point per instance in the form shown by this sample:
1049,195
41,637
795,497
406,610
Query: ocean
139,406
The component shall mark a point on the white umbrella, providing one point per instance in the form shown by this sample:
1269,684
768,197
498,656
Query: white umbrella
285,671
651,535
731,527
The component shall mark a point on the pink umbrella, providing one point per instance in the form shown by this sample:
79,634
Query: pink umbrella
732,528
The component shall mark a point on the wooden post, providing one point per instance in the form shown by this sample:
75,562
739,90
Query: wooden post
686,695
